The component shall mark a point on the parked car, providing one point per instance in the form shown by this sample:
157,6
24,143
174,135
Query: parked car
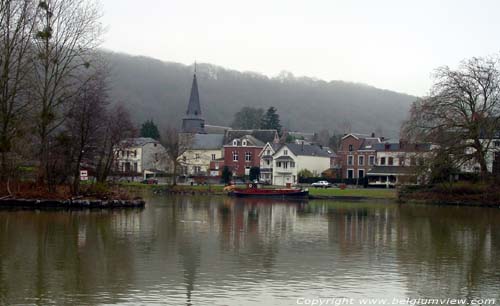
321,184
150,181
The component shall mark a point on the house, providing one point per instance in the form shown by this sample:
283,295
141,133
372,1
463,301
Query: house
137,155
357,155
202,150
290,159
242,153
266,161
396,163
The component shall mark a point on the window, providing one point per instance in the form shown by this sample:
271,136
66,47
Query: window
248,156
361,160
391,161
361,174
235,142
197,169
350,148
285,152
235,156
135,167
268,162
268,152
214,157
135,153
285,165
496,144
128,154
197,156
292,164
350,160
382,161
278,164
372,160
244,143
350,173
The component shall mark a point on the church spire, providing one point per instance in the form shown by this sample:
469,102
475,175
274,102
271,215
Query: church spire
193,122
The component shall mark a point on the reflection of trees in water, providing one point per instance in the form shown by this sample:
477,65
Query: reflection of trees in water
455,248
49,247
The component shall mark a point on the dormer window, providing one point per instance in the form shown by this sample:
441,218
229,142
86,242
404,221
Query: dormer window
235,142
244,143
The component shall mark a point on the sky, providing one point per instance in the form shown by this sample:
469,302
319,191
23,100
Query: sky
390,44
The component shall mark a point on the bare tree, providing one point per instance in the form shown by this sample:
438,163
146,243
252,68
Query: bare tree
16,29
67,35
462,114
85,124
176,144
117,129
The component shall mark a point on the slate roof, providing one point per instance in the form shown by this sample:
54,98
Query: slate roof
137,142
284,158
307,150
409,147
369,143
194,107
207,142
264,136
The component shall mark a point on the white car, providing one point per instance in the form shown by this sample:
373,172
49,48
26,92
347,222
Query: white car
321,184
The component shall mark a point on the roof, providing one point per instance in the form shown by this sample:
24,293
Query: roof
307,150
284,158
369,143
138,142
216,129
388,170
194,107
264,136
403,147
207,142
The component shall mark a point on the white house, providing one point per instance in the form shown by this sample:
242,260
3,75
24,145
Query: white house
266,161
290,159
203,148
136,155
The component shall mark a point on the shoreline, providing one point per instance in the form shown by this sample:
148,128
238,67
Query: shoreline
41,204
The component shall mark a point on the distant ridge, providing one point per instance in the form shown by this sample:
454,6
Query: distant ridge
151,88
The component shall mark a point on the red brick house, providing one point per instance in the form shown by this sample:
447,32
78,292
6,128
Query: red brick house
357,155
241,154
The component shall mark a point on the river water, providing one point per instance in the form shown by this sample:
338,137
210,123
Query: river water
221,251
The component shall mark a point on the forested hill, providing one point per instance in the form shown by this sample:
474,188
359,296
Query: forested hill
157,90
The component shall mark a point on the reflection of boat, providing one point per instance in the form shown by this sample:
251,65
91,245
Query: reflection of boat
253,191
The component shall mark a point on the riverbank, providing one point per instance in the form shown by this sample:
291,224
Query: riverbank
27,195
314,193
456,194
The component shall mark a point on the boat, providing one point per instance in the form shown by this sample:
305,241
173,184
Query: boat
252,190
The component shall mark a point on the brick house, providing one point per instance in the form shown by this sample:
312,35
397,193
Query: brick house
241,154
357,155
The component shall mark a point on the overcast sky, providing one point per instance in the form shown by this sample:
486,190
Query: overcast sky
392,44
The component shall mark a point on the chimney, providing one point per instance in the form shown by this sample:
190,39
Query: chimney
373,135
302,146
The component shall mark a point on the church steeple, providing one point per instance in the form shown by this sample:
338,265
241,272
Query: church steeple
194,122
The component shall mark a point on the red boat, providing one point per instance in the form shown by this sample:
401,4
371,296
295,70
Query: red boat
253,191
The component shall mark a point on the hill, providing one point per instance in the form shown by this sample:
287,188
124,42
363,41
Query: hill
158,90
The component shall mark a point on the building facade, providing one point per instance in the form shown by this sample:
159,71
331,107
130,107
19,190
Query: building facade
266,162
137,155
241,154
290,159
357,155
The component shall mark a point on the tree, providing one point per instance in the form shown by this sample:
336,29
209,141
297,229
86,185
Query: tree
254,173
176,144
67,36
462,113
16,29
118,128
226,175
149,129
304,173
271,120
248,118
85,124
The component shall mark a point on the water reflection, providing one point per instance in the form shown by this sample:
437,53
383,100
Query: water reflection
221,251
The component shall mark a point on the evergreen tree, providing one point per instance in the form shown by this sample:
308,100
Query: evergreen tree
149,129
271,120
254,173
226,175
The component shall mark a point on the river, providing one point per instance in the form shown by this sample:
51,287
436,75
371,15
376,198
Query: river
222,251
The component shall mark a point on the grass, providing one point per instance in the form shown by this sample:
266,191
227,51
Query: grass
330,192
368,193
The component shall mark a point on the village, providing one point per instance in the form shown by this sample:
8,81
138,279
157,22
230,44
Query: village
210,154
